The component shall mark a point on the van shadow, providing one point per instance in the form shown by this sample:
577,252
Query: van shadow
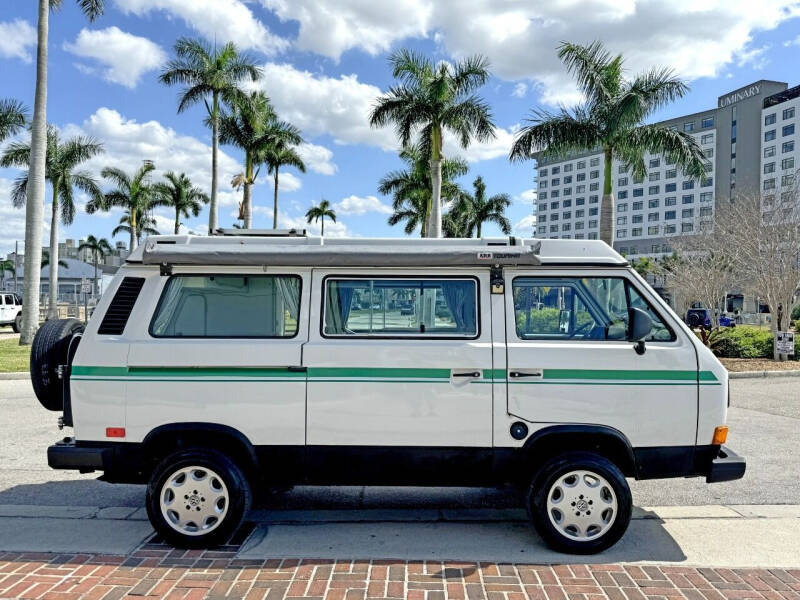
81,492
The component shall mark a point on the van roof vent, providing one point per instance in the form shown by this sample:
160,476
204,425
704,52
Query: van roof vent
119,310
261,232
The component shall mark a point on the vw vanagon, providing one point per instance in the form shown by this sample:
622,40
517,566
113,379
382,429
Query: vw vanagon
215,367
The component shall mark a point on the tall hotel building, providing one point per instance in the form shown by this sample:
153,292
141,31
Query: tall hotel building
749,141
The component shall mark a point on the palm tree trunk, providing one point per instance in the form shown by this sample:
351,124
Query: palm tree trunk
435,226
607,205
479,229
177,220
52,307
275,202
322,230
247,201
134,238
34,205
212,207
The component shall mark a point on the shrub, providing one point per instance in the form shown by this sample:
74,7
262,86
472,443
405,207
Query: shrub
742,342
796,313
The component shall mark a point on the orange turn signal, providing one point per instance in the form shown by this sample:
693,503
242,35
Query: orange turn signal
115,432
720,435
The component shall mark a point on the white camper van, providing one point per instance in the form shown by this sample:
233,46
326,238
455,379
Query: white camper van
215,367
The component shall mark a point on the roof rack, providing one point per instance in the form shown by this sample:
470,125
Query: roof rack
260,232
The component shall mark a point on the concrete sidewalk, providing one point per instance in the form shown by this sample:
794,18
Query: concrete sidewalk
710,536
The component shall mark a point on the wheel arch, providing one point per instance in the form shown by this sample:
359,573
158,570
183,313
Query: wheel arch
606,441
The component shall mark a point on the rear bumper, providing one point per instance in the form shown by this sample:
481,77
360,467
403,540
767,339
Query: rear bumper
66,454
726,466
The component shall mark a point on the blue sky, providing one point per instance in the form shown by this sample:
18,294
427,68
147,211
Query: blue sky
324,65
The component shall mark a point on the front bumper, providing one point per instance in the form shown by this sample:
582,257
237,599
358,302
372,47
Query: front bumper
725,466
66,454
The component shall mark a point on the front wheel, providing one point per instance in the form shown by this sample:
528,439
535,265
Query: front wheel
197,498
16,326
580,503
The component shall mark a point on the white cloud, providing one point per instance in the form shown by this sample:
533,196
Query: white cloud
321,105
333,28
128,142
337,229
794,42
528,196
754,57
125,57
287,182
220,20
17,38
499,146
526,226
317,158
520,90
12,221
360,205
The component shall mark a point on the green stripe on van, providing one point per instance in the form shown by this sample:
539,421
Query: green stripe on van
627,375
377,373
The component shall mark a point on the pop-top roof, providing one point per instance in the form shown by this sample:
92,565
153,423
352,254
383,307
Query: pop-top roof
363,252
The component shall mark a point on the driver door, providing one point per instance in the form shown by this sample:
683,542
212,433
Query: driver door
569,360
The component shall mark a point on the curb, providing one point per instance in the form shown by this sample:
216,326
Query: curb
18,375
762,374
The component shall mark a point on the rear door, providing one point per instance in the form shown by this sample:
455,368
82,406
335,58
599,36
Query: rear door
399,374
569,361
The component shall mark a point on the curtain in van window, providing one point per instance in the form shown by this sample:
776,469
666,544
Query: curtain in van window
169,302
339,298
287,298
460,299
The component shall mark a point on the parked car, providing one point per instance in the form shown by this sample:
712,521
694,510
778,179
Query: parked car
209,377
703,317
11,311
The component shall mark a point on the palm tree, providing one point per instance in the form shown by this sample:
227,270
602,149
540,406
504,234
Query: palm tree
6,266
13,115
473,210
434,98
61,162
205,71
179,193
319,212
143,224
100,248
411,188
34,207
135,195
611,122
46,260
281,153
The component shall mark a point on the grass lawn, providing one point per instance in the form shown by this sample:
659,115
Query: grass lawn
14,357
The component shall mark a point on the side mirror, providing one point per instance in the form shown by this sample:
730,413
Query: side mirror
639,327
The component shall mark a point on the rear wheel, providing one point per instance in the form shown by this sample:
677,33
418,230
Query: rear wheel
580,503
197,498
49,351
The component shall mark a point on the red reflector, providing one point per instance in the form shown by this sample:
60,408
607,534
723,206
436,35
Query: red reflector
115,432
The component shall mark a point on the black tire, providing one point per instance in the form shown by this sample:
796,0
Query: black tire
16,326
561,465
693,320
50,350
239,497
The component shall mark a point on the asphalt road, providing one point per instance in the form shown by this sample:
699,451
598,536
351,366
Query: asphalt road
764,420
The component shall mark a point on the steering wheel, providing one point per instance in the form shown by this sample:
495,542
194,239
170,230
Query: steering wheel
582,329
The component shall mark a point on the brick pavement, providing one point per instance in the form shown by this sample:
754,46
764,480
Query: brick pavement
156,570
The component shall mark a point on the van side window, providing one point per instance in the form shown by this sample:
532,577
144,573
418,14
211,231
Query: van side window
588,308
228,306
387,307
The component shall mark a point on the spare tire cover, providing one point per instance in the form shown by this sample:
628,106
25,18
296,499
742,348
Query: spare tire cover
50,350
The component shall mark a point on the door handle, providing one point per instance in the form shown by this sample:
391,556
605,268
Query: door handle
519,374
472,374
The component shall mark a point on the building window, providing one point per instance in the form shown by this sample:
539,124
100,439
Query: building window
543,196
566,215
688,126
670,187
568,191
671,174
637,219
542,229
653,230
593,187
593,212
622,208
769,135
622,181
554,194
555,181
688,184
542,218
687,227
655,163
653,189
556,170
622,220
670,201
581,164
654,176
706,196
787,163
669,215
637,180
580,189
567,179
638,192
567,168
579,225
554,217
638,205
787,180
622,233
554,205
566,203
769,184
707,138
553,228
592,223
636,232
593,235
769,151
708,153
565,227
543,184
788,130
594,174
655,249
580,201
652,203
688,199
769,167
788,113
707,182
769,120
707,122
787,147
580,177
705,211
542,172
669,229
622,195
652,217
593,162
579,213
622,169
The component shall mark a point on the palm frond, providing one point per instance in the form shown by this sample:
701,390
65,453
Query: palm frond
13,116
92,8
556,134
590,66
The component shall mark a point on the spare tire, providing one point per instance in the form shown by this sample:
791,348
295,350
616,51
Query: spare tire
50,350
694,320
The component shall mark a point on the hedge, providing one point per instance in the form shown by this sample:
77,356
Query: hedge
745,342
